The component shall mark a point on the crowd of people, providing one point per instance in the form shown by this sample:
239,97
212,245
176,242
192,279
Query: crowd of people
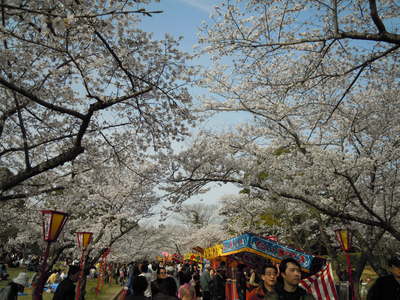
191,281
272,282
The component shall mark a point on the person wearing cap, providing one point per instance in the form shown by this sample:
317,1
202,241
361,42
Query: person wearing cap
17,285
387,287
66,288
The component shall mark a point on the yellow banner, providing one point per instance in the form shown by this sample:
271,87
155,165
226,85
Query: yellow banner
213,252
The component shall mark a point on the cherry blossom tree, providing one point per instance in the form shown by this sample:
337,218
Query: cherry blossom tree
144,243
184,238
108,199
244,214
76,74
307,229
197,215
322,96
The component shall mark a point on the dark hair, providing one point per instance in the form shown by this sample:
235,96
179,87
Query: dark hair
135,271
73,270
241,267
269,266
185,278
283,264
139,285
144,268
167,286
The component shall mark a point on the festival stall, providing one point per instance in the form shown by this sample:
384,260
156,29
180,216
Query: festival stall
167,258
254,251
214,255
192,257
177,258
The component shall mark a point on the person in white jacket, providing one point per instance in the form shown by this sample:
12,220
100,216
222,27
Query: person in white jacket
17,285
144,271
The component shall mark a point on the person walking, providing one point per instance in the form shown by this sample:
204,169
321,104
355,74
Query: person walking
289,279
17,285
139,285
186,291
205,279
144,271
387,287
164,289
66,288
3,271
217,284
241,285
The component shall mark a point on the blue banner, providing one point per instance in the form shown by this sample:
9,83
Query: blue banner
270,248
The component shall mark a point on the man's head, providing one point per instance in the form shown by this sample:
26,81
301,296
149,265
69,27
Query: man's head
144,268
162,273
185,278
394,266
290,272
167,286
269,276
170,270
139,285
207,267
73,272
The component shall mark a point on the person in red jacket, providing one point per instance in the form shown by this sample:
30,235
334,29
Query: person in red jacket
266,289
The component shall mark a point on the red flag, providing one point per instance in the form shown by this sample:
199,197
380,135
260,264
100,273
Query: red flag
321,285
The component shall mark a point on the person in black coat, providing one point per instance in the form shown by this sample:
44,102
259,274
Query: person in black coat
387,287
66,288
241,282
217,285
139,285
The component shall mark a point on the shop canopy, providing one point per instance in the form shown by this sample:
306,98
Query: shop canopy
255,250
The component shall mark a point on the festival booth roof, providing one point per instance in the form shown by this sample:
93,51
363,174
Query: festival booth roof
254,250
198,249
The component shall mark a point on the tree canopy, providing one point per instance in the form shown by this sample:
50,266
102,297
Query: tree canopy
320,81
79,75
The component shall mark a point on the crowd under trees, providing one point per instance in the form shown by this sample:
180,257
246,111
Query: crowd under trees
91,106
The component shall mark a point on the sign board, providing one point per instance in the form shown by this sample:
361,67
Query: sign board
277,252
213,252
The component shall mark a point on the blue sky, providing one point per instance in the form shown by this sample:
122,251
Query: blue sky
183,18
179,18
